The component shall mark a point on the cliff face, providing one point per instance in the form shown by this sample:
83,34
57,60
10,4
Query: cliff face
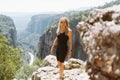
36,27
40,22
100,37
46,41
7,27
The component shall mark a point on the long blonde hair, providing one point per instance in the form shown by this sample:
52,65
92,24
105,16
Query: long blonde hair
59,27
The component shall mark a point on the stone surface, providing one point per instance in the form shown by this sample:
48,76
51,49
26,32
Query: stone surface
100,36
50,72
73,63
50,60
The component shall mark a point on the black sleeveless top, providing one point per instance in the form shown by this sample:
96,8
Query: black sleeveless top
62,39
62,47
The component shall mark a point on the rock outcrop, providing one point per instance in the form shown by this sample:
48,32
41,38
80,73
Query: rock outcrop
50,61
7,27
74,70
100,36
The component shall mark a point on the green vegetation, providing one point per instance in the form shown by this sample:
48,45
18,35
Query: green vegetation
26,70
38,62
9,59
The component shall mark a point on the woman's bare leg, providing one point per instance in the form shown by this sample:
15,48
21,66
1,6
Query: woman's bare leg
58,63
61,69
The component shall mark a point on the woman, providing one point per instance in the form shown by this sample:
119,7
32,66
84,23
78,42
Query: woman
63,42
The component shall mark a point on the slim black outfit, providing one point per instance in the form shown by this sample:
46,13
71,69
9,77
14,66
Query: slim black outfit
62,47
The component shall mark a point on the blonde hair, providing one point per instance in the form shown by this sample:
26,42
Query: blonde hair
67,27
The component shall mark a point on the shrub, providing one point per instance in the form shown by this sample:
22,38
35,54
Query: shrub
9,59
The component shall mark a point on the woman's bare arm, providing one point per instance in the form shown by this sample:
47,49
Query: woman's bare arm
54,44
70,44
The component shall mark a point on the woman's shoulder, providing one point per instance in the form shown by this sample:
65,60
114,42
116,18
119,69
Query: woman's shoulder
69,30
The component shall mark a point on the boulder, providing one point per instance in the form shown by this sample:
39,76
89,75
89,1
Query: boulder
100,36
50,60
73,63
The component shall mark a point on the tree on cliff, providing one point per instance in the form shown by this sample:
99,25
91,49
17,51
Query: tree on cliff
9,59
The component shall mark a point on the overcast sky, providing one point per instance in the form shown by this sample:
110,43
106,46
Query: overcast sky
46,5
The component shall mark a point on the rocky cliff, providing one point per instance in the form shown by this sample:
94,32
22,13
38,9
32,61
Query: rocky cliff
100,36
40,22
45,42
7,27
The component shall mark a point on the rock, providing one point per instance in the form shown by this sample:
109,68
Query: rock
76,70
73,63
52,73
50,60
100,36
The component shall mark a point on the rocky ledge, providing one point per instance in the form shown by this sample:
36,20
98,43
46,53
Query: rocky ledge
74,70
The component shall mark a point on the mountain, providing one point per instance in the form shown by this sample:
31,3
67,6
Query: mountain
29,37
7,27
40,22
20,19
110,4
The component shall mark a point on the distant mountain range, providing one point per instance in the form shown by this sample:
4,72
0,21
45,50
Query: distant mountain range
21,19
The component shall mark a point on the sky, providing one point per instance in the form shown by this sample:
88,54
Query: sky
47,5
